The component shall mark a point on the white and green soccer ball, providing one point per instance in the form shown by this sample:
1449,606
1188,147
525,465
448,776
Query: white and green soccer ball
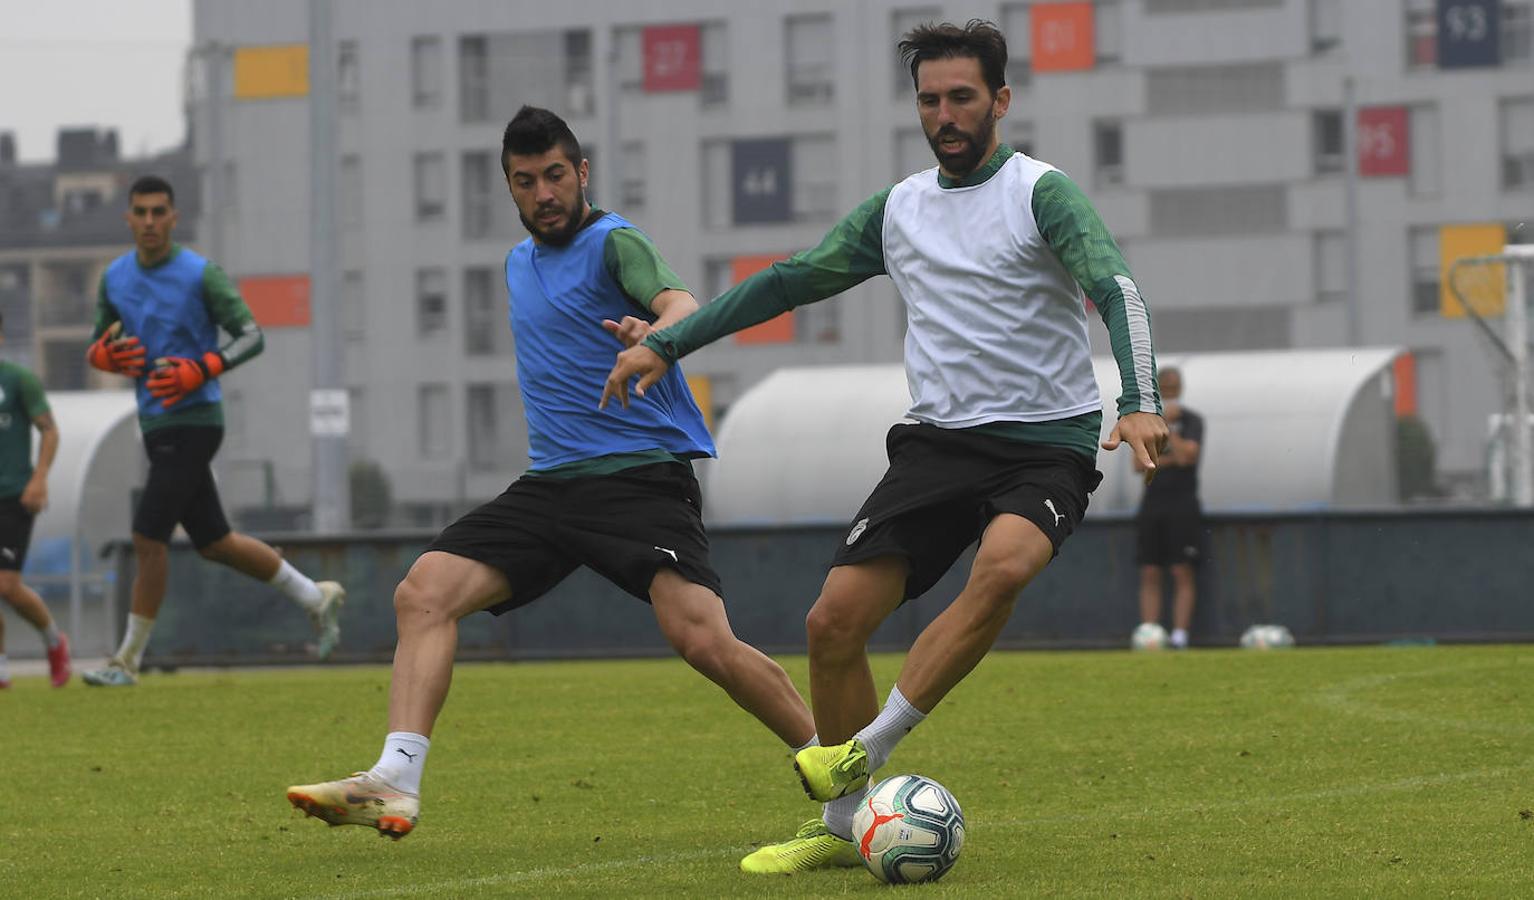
1266,637
1149,636
909,829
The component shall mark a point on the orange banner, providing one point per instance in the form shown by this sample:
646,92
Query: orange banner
1484,286
1406,385
1063,38
277,301
773,331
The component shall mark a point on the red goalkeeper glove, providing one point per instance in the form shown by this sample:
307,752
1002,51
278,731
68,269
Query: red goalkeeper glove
118,355
176,376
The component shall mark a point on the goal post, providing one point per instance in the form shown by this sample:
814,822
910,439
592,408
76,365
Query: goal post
1485,285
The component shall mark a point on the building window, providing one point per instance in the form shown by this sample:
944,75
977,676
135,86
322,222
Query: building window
348,76
486,324
809,59
1021,135
580,77
902,21
353,306
1425,266
430,301
1426,152
1330,249
478,172
1325,25
350,201
1327,141
628,50
1421,34
1518,143
473,78
64,364
815,178
434,420
1211,90
426,72
1517,27
65,294
1219,211
1014,24
484,454
632,183
715,89
819,323
430,187
1108,152
1108,31
912,152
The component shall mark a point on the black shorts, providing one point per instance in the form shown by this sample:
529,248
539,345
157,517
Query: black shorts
625,526
180,487
945,486
15,534
1167,537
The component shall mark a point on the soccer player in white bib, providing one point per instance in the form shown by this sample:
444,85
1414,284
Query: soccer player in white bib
995,255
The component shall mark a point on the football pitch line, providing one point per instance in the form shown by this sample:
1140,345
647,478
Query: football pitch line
1342,697
534,876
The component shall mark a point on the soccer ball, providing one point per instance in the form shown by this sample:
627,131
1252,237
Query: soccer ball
1266,637
1149,636
909,829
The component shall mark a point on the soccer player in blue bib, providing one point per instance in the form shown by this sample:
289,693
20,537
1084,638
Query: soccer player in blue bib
159,311
994,254
609,489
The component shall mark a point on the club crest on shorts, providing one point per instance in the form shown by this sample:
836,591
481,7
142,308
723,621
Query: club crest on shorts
857,531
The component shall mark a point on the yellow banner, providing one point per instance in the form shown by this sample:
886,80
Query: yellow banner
703,392
1485,287
264,73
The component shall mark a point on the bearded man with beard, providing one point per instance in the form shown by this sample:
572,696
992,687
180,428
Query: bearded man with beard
994,254
612,490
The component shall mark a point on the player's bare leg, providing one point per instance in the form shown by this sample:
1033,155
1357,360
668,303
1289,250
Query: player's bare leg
1012,551
1183,592
257,559
1150,593
438,591
853,602
693,619
34,611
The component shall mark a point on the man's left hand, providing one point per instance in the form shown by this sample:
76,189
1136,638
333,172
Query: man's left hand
1146,434
637,360
176,376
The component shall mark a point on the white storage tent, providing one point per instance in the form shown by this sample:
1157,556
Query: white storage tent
1286,430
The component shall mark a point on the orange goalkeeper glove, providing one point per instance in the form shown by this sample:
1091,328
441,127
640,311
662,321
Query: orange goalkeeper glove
176,376
119,355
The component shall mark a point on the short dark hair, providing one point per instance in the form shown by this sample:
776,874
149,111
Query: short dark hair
533,131
152,184
978,39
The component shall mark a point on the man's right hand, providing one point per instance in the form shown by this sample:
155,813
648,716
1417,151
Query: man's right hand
116,354
637,360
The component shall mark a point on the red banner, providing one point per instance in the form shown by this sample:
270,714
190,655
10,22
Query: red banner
277,301
1384,141
777,330
1063,39
673,58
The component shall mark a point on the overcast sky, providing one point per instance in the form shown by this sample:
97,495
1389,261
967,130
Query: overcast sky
109,63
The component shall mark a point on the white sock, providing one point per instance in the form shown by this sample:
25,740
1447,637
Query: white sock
1179,637
814,741
134,642
839,812
51,635
894,722
401,762
5,668
297,585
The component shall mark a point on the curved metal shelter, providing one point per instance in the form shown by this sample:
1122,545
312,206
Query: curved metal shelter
1286,430
89,501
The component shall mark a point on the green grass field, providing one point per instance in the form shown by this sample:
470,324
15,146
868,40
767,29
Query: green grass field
1360,772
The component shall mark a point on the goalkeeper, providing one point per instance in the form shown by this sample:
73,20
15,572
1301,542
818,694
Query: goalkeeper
158,314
